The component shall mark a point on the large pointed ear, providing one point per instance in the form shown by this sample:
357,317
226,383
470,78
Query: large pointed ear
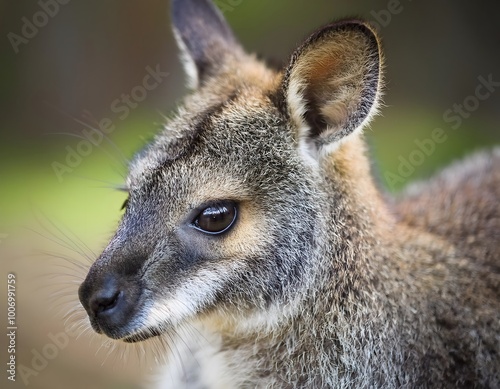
204,38
331,85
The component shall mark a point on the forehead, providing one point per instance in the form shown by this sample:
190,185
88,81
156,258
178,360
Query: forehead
244,126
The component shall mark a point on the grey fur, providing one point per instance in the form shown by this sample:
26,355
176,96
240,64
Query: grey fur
322,282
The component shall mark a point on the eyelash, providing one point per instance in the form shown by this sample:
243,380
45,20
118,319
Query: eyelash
124,205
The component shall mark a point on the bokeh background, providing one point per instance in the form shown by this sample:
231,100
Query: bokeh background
67,76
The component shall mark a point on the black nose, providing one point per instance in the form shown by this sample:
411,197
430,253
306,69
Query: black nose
104,300
111,302
101,297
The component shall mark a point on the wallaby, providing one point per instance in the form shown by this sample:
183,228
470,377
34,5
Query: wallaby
253,218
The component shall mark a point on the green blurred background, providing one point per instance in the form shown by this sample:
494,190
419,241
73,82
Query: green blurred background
91,52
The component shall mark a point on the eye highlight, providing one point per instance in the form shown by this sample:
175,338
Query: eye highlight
216,219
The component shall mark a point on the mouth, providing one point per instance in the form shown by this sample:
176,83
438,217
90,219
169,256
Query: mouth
142,335
127,336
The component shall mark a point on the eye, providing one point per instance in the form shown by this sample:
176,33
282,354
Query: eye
216,218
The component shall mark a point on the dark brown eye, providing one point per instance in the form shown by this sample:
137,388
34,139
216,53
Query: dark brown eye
216,219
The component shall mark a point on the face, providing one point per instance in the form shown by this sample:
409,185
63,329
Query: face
218,220
224,209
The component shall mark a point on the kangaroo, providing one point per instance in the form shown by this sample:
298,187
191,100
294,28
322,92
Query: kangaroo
254,221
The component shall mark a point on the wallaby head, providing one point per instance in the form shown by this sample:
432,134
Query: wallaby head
229,207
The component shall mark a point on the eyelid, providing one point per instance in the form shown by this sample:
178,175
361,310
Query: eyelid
197,212
196,209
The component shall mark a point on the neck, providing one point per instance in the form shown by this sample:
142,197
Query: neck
351,311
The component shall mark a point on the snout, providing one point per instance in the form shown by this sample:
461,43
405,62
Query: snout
113,303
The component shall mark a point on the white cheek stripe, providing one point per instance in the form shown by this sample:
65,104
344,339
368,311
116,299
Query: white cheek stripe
185,301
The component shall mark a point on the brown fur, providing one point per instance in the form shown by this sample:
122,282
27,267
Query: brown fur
323,281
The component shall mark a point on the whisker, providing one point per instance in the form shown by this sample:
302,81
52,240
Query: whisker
78,246
88,115
68,244
110,185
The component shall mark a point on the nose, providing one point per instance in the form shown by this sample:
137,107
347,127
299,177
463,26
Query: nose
111,303
104,300
101,299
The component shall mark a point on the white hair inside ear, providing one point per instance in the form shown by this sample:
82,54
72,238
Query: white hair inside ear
332,87
192,78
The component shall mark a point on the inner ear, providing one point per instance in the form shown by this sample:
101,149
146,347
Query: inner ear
321,110
332,82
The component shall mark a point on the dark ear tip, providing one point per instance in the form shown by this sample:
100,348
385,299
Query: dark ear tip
186,13
338,55
343,25
200,23
349,25
204,37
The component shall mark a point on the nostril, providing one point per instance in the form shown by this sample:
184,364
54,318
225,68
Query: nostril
105,300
